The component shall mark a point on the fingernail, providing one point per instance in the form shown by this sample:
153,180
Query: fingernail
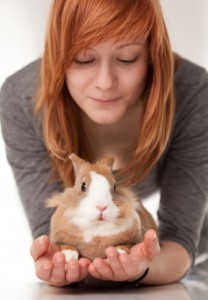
73,267
58,259
112,255
46,266
154,237
41,240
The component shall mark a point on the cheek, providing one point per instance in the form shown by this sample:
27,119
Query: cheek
136,80
75,80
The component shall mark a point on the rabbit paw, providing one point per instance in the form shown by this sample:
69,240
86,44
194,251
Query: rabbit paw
120,251
70,254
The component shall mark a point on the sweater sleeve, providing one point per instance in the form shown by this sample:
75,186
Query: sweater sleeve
27,155
184,180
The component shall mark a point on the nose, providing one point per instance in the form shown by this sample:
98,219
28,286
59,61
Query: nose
101,208
105,77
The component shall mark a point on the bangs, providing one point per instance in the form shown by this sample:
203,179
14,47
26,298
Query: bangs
95,21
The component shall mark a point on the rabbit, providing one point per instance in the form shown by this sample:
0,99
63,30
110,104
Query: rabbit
97,213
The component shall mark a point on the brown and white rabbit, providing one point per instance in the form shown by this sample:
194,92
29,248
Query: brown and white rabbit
96,213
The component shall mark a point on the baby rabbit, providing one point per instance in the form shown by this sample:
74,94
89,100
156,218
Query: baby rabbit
96,213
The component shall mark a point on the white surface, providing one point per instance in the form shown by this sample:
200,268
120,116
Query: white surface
34,291
22,27
15,237
22,30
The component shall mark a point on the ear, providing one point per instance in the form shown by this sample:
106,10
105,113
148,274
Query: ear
55,201
77,162
107,161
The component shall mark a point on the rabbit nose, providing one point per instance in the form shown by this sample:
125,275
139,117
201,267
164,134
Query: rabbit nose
101,208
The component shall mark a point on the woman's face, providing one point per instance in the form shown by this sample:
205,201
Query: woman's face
107,81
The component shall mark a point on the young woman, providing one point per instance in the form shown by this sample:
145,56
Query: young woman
110,84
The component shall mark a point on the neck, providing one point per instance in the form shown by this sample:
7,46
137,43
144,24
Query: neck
115,140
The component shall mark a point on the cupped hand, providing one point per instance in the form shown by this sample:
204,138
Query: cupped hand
51,267
127,267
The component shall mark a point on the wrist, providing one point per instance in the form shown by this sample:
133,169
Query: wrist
137,281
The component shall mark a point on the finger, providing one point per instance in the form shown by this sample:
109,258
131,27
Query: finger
130,268
114,261
43,269
103,268
93,271
39,247
57,276
84,264
147,250
151,246
73,271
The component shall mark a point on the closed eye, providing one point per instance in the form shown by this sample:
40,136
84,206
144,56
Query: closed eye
128,61
84,62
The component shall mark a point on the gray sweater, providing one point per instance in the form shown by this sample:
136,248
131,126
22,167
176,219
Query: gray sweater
181,174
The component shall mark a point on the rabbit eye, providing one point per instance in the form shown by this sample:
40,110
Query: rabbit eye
83,187
114,187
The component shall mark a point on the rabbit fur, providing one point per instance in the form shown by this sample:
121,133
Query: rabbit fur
96,213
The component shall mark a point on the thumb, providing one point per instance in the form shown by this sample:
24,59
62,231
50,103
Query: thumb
39,247
151,247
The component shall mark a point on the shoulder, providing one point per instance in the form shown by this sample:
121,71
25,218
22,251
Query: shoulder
17,96
21,86
18,92
24,81
191,115
189,79
191,89
189,73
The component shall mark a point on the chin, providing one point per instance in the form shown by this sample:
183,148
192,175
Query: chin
107,120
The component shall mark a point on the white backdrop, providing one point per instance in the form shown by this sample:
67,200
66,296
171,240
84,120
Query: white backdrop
22,29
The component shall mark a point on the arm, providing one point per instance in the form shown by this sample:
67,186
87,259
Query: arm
183,205
167,264
28,158
170,265
184,177
184,180
26,153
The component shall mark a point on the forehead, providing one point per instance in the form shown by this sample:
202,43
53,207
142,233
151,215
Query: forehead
98,180
94,180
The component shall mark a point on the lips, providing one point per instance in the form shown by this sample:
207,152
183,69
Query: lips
105,100
101,217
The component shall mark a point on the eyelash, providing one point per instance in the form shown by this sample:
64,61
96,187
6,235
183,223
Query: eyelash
84,62
130,61
88,62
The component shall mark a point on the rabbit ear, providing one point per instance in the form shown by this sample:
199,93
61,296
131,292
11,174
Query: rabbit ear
76,161
108,161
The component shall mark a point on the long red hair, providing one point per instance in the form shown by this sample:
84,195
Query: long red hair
76,24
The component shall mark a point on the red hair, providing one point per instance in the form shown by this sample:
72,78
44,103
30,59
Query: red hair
76,24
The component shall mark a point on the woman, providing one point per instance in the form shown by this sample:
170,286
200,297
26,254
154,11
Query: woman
110,84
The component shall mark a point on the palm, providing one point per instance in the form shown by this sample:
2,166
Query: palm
137,251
